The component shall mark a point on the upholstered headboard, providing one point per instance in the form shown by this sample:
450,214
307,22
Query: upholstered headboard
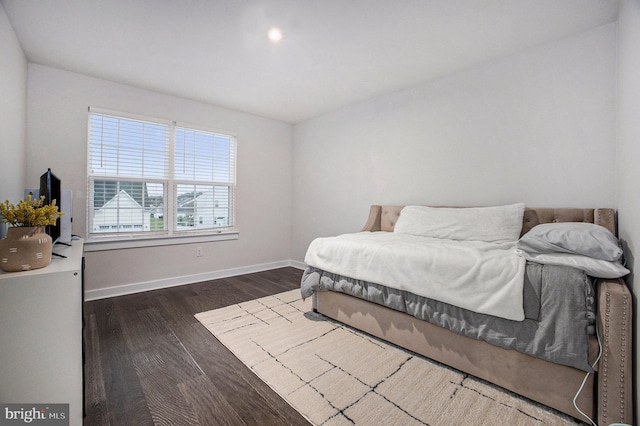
383,218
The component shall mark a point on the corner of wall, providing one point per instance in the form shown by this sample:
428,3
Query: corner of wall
13,112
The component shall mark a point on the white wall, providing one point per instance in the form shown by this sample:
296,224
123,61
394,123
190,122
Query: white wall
57,137
537,127
13,109
628,149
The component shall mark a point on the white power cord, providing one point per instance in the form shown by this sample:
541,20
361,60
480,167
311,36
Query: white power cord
587,376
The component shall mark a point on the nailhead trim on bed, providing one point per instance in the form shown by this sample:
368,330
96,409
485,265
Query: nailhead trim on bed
605,359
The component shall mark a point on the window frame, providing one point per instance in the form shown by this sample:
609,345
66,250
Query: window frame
97,241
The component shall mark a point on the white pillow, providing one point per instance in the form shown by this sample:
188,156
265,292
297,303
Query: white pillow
595,267
491,224
587,239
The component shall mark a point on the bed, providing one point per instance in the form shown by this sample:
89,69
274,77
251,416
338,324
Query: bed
587,375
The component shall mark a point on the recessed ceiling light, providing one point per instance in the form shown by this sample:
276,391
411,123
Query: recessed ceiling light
275,35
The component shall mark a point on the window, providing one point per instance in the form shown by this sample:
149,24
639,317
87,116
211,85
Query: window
150,177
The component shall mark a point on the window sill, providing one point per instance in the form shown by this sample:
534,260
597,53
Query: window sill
118,243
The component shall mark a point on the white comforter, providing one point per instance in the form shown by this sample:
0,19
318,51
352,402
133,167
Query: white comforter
479,276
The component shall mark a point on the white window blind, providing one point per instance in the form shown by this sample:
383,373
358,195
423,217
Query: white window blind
155,177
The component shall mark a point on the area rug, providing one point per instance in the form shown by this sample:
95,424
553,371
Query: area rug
335,375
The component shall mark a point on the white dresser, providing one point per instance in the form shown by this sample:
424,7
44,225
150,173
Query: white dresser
41,333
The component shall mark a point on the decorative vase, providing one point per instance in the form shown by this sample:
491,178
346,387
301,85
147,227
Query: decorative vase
25,248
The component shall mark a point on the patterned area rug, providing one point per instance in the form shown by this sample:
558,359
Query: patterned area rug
334,375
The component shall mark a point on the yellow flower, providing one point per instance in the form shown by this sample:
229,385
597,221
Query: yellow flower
30,212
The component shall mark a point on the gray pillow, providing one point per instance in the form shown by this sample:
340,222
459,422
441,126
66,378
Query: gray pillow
586,239
595,267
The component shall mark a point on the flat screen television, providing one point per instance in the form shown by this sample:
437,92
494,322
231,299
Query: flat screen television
51,189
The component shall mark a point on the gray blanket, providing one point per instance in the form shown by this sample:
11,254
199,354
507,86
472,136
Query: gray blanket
559,311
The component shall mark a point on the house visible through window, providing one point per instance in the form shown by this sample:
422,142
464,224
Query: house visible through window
154,177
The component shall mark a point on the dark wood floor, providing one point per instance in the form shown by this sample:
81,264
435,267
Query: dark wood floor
149,361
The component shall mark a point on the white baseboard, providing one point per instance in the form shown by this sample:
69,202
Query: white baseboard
122,290
298,264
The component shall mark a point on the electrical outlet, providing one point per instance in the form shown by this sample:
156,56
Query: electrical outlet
199,251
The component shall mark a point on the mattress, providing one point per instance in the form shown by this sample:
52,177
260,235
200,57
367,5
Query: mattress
559,305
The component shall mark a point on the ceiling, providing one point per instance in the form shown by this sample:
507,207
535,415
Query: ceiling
334,52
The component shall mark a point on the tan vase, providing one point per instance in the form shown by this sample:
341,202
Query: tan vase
25,248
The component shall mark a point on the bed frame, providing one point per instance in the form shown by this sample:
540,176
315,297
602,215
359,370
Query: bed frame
607,395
